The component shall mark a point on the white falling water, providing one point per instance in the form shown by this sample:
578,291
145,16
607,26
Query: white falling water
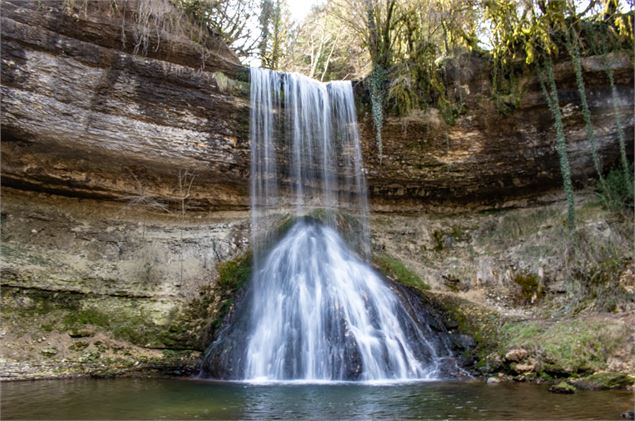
315,310
323,314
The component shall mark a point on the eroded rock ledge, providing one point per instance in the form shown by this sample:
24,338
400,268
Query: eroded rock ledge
83,117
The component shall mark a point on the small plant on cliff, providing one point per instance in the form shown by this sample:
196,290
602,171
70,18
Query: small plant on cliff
234,274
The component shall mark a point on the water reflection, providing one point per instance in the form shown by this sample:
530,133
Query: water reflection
188,399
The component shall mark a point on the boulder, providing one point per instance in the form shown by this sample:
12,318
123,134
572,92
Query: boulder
562,387
516,355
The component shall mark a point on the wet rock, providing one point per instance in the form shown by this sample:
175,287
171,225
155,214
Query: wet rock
462,341
516,355
628,415
562,387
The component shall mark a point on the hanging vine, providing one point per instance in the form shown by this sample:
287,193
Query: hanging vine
572,44
550,92
603,40
377,82
618,123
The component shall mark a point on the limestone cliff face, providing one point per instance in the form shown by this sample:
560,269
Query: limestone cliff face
487,158
83,116
111,165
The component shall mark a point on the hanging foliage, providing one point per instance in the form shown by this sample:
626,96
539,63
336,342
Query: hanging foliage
550,92
377,82
572,42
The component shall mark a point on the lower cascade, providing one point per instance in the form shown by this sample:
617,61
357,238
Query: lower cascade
314,309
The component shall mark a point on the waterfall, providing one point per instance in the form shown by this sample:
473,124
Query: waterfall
315,126
315,310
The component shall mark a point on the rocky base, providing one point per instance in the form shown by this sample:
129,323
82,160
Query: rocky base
103,289
110,289
534,306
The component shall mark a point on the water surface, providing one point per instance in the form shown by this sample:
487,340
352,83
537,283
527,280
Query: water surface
192,399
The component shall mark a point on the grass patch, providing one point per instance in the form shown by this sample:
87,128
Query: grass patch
397,271
87,316
568,346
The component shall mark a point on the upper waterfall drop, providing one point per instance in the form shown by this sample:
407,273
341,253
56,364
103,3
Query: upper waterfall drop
305,153
314,309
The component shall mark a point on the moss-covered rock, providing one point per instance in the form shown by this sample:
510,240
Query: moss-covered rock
565,348
562,387
605,381
536,350
233,275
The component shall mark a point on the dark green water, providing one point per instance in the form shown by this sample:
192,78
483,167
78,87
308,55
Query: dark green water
191,399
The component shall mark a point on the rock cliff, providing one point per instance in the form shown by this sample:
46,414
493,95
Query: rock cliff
84,116
124,175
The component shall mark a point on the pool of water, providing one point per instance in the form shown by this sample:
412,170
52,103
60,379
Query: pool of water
194,399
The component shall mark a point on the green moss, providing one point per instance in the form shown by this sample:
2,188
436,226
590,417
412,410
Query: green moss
233,274
568,346
562,387
87,316
34,302
396,270
531,288
205,314
605,381
131,324
127,319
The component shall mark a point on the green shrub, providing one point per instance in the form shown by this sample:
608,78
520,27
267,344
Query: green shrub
616,190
